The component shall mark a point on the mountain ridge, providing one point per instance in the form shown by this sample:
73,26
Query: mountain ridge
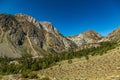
89,36
25,34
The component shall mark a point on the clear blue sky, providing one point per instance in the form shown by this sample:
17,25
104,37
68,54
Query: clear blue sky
70,17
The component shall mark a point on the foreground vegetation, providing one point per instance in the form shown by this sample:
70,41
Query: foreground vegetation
26,64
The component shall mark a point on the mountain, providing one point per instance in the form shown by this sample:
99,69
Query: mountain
114,34
20,34
88,37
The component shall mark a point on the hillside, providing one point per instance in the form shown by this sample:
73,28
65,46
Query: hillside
21,34
105,67
32,50
97,67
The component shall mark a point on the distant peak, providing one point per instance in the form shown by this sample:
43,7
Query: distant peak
91,33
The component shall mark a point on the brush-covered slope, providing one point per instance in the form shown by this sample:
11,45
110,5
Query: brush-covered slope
105,66
99,67
21,34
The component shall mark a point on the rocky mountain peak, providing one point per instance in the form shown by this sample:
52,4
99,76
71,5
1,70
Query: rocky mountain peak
24,17
92,34
87,37
45,25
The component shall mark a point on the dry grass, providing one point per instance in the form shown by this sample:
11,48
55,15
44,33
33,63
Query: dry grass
105,67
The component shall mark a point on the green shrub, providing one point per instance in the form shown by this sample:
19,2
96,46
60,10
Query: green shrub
24,75
87,57
33,75
45,78
70,61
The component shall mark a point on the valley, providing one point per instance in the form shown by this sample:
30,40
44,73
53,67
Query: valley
35,50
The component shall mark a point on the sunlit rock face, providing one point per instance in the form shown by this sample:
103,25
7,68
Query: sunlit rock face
24,34
86,38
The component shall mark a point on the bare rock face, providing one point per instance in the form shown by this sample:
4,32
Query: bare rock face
86,38
24,34
51,32
115,34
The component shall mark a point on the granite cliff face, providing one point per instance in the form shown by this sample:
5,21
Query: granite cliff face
21,34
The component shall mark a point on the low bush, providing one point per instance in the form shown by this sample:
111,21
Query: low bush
70,61
45,78
31,75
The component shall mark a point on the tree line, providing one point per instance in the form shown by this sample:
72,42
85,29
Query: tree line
27,63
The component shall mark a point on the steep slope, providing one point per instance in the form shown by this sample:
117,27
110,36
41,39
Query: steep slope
114,34
87,37
21,34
